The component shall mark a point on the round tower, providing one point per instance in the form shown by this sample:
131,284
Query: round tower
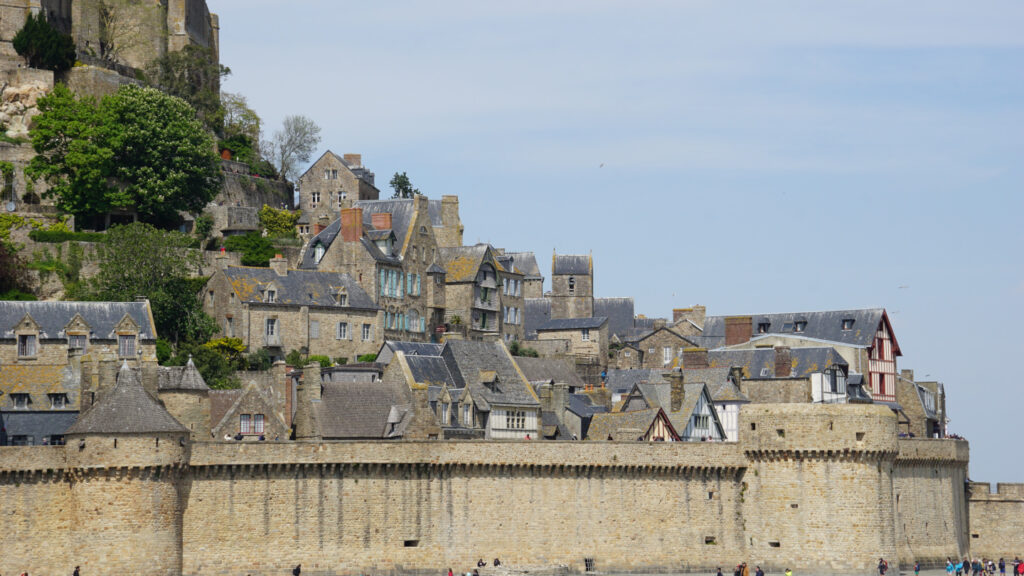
125,458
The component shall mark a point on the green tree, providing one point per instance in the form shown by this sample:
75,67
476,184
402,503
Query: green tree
278,223
43,46
138,149
241,123
402,186
194,75
256,250
293,144
140,260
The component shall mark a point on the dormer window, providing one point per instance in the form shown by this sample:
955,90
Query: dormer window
318,252
847,324
799,325
271,296
58,401
78,342
21,401
762,327
342,299
126,345
27,345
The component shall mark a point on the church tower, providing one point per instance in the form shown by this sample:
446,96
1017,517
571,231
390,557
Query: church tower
572,286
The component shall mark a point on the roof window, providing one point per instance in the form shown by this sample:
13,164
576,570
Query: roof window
799,325
848,324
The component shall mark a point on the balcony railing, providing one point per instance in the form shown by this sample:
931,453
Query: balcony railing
272,340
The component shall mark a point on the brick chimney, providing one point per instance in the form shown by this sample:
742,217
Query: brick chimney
678,393
279,264
351,224
354,160
738,329
783,362
695,358
381,220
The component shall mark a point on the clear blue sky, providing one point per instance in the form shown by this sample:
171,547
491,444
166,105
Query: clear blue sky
754,157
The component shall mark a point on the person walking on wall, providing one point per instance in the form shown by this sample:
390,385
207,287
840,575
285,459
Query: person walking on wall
917,568
744,569
449,572
883,567
76,572
1002,567
789,572
297,570
719,573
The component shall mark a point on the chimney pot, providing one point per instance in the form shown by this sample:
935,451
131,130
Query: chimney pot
279,265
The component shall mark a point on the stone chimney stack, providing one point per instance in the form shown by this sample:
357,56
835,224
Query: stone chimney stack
694,358
544,392
738,329
279,264
783,362
307,415
381,220
351,224
354,160
559,399
107,377
221,260
694,314
675,379
907,375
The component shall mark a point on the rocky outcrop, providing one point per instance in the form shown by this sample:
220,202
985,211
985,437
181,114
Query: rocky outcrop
18,106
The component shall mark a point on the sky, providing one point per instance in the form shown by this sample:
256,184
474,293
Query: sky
751,157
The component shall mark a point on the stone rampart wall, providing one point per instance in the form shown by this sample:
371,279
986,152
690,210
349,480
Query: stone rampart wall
996,520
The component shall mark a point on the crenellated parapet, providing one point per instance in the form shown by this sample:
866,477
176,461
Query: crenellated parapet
933,450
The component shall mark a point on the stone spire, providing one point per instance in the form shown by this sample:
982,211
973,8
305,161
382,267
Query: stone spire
126,409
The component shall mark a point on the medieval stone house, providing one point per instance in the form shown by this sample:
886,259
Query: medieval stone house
330,184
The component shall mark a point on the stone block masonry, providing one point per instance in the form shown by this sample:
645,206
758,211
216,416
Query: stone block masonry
807,487
997,520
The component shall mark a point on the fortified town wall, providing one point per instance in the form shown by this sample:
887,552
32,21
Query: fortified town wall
997,520
809,487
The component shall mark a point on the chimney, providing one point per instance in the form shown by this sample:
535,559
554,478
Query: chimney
544,392
307,414
694,314
560,399
221,259
738,329
907,375
678,394
695,358
659,323
351,224
279,265
736,375
381,221
354,160
783,362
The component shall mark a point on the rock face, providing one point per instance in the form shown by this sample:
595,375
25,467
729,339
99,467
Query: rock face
18,106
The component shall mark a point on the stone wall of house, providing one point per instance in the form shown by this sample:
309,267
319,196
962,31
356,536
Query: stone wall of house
808,487
777,390
927,472
654,346
997,520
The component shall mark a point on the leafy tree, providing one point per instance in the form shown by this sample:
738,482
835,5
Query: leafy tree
259,360
240,119
192,74
293,144
517,349
256,250
366,358
402,186
324,361
140,260
138,149
43,46
294,358
278,223
216,367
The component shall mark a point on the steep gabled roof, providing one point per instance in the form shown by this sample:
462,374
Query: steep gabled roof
470,364
185,377
620,313
580,264
298,287
692,394
370,410
126,409
52,317
545,369
430,370
637,422
391,347
461,263
536,311
760,362
526,263
358,171
826,326
622,381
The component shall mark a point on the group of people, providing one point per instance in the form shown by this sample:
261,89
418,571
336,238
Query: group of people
476,571
983,567
743,570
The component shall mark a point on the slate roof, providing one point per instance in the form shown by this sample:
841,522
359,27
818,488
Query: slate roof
402,212
572,323
638,422
435,269
622,381
619,311
827,325
551,427
185,377
431,370
461,263
363,410
526,263
760,362
392,347
298,288
536,311
710,376
546,369
692,394
582,405
572,264
126,409
466,360
52,317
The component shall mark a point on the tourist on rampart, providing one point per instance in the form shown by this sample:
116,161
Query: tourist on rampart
297,570
449,572
758,572
883,567
744,570
1002,567
917,569
496,562
789,572
719,573
76,572
480,563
